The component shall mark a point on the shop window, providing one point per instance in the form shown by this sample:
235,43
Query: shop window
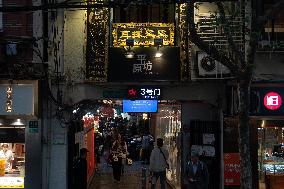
168,127
12,165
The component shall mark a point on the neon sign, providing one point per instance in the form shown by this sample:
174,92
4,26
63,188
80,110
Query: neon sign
272,101
142,33
144,93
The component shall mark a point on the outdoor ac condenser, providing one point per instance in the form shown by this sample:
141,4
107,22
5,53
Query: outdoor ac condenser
207,66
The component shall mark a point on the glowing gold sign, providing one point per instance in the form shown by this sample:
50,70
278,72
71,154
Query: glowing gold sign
142,33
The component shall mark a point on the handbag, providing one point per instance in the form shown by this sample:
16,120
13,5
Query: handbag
167,164
129,161
115,158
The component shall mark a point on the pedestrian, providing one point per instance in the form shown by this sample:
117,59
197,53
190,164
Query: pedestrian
80,170
197,173
118,152
158,164
7,154
145,155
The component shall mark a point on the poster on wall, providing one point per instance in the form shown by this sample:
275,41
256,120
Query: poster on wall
232,169
208,151
12,165
203,150
208,138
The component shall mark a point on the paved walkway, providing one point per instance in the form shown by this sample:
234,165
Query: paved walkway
132,178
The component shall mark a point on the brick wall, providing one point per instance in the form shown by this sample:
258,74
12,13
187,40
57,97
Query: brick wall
17,27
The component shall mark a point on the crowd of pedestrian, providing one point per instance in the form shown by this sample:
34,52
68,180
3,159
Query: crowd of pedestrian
120,141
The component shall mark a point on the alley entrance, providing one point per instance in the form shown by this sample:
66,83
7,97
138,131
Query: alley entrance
131,179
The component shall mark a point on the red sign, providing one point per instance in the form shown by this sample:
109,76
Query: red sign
232,173
272,101
132,93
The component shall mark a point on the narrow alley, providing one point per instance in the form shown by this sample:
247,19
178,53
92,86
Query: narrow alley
131,179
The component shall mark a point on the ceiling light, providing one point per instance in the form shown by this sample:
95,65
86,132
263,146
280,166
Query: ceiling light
158,54
129,54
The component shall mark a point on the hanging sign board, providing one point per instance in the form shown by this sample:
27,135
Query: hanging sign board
144,66
267,101
143,33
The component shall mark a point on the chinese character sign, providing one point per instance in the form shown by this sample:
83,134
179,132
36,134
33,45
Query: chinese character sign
142,33
144,66
232,169
272,101
144,93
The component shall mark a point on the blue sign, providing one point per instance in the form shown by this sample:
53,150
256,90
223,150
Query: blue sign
140,106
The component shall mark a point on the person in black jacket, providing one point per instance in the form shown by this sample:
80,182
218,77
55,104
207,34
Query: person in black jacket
80,170
197,173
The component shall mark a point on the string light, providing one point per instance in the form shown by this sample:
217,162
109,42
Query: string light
98,24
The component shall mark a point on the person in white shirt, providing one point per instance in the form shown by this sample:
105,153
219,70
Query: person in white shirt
7,154
159,164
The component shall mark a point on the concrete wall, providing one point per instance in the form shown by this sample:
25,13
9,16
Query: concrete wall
33,164
37,33
75,45
54,151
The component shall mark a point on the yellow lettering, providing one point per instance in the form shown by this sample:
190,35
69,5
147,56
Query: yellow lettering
136,34
125,34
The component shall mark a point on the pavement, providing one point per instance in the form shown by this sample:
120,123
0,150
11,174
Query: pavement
131,179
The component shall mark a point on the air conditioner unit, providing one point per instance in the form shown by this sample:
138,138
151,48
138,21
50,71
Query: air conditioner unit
207,66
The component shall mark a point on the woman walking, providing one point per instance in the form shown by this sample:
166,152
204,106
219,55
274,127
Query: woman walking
119,152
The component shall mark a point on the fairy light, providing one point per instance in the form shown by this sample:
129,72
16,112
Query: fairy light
97,39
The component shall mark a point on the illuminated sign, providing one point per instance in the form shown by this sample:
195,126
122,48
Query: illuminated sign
266,101
11,182
142,33
144,66
272,101
144,93
140,106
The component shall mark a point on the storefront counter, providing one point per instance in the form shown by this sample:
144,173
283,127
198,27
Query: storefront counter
274,181
274,174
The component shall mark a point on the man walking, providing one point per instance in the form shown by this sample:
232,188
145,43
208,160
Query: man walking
197,173
80,170
159,164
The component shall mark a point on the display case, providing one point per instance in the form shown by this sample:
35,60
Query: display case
274,168
274,174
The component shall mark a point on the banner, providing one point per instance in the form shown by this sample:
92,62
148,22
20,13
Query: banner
232,173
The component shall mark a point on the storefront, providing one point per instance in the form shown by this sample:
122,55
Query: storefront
271,154
266,138
84,138
12,157
168,126
20,141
